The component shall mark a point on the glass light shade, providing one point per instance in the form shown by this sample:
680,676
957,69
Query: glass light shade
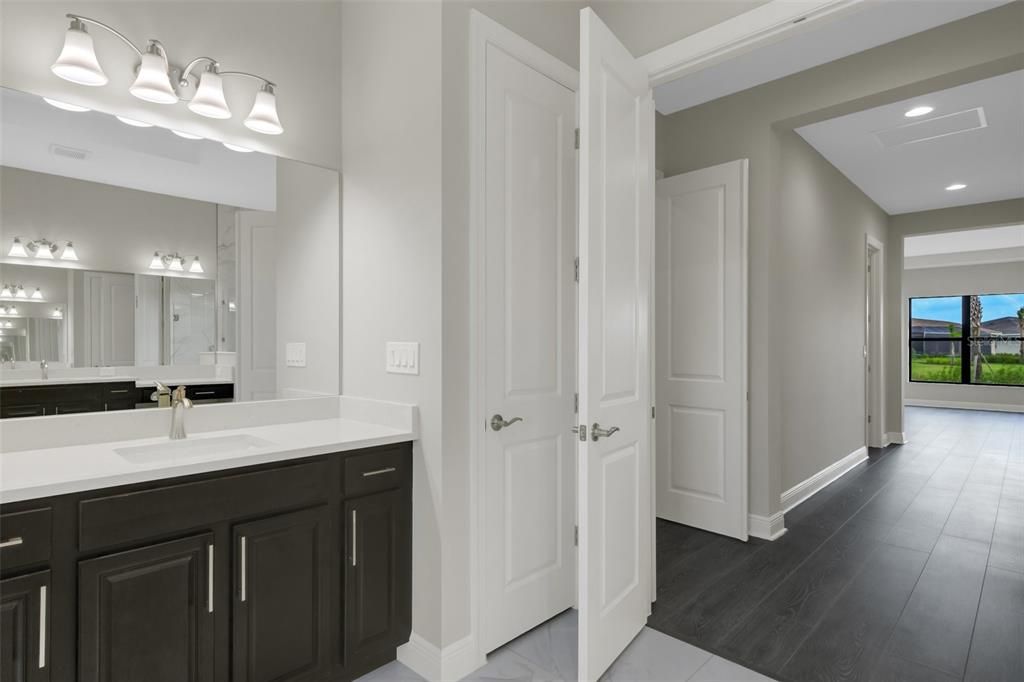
133,122
77,61
37,294
236,148
12,310
153,84
43,252
263,117
57,312
187,136
157,263
69,252
176,264
18,249
956,186
20,293
196,266
65,105
6,292
209,98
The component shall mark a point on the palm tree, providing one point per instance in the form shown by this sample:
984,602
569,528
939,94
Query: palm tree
976,334
1020,323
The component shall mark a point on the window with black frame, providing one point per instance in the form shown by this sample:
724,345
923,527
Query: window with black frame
972,339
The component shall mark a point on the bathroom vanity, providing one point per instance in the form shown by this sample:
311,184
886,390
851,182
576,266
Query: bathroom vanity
56,397
273,563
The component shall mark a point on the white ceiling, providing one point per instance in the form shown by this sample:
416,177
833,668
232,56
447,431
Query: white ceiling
873,23
913,177
147,159
988,238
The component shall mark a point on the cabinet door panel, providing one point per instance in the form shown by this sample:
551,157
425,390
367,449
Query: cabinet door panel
377,570
146,614
24,628
280,597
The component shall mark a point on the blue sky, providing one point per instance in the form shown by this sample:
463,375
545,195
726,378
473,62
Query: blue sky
993,306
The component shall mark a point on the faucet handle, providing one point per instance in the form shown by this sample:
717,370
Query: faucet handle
178,397
161,389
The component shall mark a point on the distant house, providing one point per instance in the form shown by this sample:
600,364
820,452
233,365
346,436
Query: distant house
1001,335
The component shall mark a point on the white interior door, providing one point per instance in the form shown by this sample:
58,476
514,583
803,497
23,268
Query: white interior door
109,319
257,304
529,348
616,225
701,283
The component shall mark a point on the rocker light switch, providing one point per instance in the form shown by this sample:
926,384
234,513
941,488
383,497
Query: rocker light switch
295,354
403,357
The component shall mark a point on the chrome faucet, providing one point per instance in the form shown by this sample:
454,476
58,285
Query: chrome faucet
162,395
44,369
179,403
7,361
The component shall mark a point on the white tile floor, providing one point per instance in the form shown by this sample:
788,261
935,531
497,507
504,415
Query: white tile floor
548,654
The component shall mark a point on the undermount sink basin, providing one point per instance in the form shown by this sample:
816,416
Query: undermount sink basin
193,447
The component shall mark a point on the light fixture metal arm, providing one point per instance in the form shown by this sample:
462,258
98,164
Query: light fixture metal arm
124,39
187,71
248,75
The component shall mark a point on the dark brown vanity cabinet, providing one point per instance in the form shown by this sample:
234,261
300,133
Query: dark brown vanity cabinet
291,571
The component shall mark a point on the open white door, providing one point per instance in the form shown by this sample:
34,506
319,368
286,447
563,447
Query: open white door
701,268
616,222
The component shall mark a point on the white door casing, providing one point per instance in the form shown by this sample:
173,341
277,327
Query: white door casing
701,298
874,363
257,305
616,226
529,313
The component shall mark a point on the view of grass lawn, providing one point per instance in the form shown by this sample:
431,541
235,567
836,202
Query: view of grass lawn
997,369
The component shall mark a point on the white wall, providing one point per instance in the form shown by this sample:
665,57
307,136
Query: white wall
959,281
308,237
391,243
295,44
113,228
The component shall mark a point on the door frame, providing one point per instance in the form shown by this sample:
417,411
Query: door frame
874,342
484,31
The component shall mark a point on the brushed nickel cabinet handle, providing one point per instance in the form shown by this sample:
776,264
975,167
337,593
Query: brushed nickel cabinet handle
209,578
353,537
242,569
378,472
13,542
42,627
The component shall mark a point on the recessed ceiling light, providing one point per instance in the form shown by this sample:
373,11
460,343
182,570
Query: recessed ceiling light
955,186
919,111
235,147
64,105
133,122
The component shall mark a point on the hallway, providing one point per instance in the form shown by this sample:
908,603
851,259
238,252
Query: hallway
910,567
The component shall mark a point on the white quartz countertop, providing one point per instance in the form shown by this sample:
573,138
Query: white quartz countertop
139,382
36,473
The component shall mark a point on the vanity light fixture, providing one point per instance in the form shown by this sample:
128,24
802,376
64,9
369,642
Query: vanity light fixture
65,105
6,292
17,249
37,295
9,310
158,81
196,265
20,293
176,264
69,252
236,148
133,122
157,263
58,313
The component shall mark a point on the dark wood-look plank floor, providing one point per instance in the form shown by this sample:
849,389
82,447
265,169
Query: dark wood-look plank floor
910,567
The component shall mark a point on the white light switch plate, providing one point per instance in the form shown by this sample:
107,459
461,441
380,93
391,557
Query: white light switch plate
295,354
403,357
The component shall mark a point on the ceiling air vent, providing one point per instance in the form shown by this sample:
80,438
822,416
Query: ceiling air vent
69,152
933,128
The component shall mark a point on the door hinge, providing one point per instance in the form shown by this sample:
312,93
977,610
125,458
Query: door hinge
575,403
869,419
576,536
576,265
576,143
652,412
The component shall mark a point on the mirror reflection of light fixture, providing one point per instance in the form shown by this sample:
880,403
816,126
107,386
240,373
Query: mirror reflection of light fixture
37,295
58,313
65,105
77,61
135,123
196,266
69,252
9,310
236,148
153,84
20,293
18,249
6,292
157,263
187,136
176,264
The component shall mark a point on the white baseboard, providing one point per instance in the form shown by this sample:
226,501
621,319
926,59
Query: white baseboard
895,438
801,491
766,527
964,405
454,662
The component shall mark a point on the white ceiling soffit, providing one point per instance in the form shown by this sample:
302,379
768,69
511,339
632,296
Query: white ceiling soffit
785,37
974,136
965,247
96,147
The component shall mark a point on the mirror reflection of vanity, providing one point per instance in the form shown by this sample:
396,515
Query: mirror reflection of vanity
132,256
